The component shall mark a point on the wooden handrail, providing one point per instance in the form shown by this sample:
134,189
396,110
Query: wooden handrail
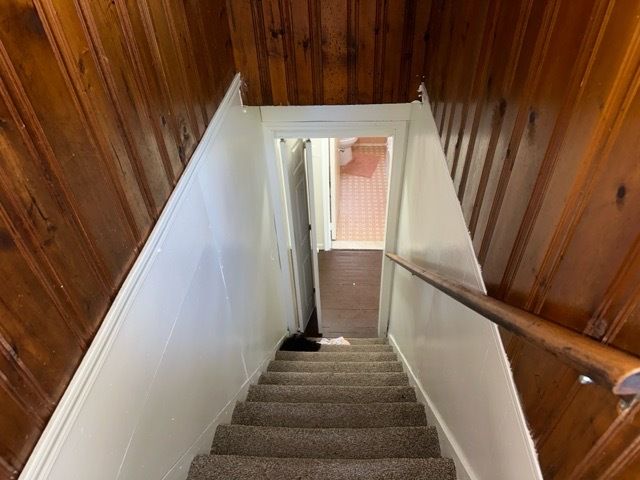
604,364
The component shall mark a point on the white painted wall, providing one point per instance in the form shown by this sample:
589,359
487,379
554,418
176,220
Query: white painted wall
455,356
196,320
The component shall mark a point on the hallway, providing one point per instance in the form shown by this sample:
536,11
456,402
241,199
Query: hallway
350,292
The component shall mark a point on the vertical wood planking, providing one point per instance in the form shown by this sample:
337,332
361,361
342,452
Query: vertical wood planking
366,36
300,52
274,37
334,21
548,178
101,106
303,61
245,49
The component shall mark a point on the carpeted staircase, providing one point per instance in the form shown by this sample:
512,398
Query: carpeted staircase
344,412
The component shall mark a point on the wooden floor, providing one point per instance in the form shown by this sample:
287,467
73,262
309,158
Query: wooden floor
350,292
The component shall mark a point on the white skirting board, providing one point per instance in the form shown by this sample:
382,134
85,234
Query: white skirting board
180,343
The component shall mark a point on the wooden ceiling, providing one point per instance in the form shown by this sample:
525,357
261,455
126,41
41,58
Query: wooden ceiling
101,106
301,52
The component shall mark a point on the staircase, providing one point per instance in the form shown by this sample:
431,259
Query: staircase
344,412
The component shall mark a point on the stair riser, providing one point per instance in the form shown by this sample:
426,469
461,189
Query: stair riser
337,356
329,415
329,394
347,379
337,367
406,442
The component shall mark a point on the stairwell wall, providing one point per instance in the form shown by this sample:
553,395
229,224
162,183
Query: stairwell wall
455,356
198,316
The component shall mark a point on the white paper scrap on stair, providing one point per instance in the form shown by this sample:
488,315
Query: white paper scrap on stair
334,341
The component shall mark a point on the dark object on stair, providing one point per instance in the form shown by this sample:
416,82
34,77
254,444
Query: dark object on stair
339,412
299,343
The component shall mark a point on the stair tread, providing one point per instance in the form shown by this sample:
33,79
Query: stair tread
301,366
387,442
329,415
218,467
356,348
330,394
334,378
337,356
360,341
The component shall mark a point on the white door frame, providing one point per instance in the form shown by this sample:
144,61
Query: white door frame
334,188
320,122
311,205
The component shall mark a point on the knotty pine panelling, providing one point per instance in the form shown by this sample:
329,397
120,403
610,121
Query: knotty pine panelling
102,104
538,108
302,52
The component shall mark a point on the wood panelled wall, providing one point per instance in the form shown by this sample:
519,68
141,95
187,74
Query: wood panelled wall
101,105
538,108
301,52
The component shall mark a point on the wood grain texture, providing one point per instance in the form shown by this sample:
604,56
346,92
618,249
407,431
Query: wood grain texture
350,292
305,52
544,157
101,106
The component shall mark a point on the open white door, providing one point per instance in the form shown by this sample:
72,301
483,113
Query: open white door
295,175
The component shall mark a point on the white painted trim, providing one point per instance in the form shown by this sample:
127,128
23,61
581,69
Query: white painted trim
389,120
326,195
55,433
311,208
448,446
333,191
515,400
180,469
357,245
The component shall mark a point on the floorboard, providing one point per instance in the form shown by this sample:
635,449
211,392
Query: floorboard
350,292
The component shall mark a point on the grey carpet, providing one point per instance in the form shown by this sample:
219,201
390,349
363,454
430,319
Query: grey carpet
330,415
337,356
356,348
393,442
331,378
226,467
344,367
329,394
343,413
363,341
